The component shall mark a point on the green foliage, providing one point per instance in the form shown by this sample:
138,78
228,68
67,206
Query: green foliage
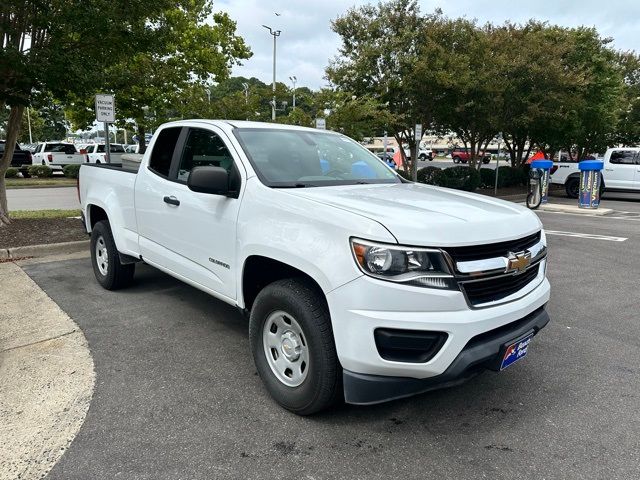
403,174
487,177
71,171
185,48
11,173
459,177
427,174
377,59
40,171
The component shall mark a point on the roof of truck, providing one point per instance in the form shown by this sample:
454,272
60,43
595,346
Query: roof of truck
226,124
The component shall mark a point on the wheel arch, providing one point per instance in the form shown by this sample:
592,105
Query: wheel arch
258,271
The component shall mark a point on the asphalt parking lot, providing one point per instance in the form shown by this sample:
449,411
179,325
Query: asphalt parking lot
177,395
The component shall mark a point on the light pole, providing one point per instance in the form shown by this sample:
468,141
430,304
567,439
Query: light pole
275,34
245,87
29,120
294,80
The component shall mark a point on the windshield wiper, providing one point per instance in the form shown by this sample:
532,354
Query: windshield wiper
296,185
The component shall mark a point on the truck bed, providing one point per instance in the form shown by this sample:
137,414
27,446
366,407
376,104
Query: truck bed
111,188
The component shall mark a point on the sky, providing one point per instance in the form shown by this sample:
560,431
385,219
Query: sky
307,42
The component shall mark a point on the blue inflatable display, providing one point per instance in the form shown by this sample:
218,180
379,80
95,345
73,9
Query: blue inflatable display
590,180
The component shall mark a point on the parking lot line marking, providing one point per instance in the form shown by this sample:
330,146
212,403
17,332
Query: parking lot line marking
608,217
590,236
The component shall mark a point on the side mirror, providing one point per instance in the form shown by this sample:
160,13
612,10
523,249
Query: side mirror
214,180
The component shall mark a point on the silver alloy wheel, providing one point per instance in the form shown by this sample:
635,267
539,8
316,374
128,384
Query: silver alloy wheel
286,349
102,256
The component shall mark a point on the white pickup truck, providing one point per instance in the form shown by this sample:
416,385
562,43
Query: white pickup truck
358,285
56,155
95,153
621,172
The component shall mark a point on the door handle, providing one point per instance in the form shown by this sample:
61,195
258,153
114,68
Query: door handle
609,169
171,200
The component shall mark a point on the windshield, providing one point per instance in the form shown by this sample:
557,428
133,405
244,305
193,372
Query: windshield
299,158
60,148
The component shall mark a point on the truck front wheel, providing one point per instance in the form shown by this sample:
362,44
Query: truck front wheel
572,187
108,270
293,348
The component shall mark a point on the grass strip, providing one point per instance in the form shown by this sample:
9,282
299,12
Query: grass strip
20,214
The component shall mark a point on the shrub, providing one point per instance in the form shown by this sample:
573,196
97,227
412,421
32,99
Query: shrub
460,178
403,174
41,171
11,173
71,171
513,176
487,178
426,174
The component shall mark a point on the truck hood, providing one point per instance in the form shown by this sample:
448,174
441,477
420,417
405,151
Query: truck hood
424,215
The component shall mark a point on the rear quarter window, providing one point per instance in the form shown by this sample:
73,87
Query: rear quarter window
165,144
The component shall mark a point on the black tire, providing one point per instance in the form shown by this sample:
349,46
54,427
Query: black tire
572,187
486,160
25,173
422,157
299,299
456,159
112,275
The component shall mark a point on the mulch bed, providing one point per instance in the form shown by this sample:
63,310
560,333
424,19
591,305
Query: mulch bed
35,231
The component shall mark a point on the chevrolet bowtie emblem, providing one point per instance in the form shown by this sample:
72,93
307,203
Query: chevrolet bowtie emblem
518,262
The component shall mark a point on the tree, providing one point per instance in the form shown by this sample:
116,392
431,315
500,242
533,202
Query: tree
356,117
379,51
458,58
628,131
183,53
40,42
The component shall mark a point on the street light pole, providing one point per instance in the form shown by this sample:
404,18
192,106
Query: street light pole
294,80
245,87
275,34
29,121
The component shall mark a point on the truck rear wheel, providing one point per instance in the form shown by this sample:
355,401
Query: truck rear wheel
572,187
108,270
293,348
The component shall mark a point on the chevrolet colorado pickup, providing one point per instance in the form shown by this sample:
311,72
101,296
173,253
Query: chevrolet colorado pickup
621,172
358,285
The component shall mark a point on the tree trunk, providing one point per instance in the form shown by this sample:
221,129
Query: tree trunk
142,141
13,129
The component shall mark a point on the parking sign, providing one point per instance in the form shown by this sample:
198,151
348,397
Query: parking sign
105,108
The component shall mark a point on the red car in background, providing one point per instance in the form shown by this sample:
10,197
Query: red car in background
461,155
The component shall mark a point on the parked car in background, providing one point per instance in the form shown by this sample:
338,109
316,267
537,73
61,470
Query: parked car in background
425,154
358,284
462,155
57,155
135,148
621,172
95,153
21,158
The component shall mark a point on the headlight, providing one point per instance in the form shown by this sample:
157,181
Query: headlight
420,267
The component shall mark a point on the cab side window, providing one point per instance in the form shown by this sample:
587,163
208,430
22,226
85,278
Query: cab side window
203,148
624,157
160,160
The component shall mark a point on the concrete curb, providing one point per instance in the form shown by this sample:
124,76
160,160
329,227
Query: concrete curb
44,249
555,207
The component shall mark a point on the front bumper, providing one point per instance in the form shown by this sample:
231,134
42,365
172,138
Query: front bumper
366,304
480,353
